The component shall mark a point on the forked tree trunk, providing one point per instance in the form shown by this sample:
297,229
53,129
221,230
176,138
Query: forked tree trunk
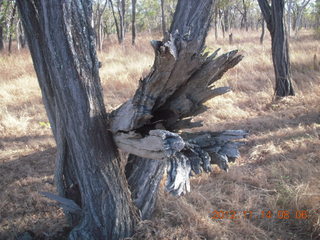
274,17
92,186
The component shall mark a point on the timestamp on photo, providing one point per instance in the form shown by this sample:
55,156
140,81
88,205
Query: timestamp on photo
263,214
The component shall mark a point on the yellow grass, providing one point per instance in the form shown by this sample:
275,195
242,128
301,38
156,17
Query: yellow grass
279,168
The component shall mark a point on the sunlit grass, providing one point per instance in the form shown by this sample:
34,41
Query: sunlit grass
279,168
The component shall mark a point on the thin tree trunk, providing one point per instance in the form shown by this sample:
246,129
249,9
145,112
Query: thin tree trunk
289,17
222,23
121,11
11,26
1,38
274,17
133,23
163,20
18,35
262,30
116,22
216,22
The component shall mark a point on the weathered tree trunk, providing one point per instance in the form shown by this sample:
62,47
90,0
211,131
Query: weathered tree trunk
88,165
133,22
164,99
163,19
274,17
91,184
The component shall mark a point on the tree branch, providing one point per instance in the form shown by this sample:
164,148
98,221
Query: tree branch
266,12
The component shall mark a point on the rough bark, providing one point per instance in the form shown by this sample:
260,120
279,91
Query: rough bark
88,166
92,186
274,17
165,99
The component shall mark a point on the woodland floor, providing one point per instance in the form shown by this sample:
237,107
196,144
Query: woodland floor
279,169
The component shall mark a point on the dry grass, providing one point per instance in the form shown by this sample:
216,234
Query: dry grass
279,168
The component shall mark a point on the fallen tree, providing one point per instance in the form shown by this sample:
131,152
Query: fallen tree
151,126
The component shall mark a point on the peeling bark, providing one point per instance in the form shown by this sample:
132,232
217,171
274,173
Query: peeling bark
165,99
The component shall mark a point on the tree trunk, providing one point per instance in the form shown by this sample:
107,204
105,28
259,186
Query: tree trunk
226,19
116,22
163,20
11,27
300,10
289,17
221,23
121,5
88,165
90,180
216,22
262,30
274,17
4,12
133,22
1,38
244,20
